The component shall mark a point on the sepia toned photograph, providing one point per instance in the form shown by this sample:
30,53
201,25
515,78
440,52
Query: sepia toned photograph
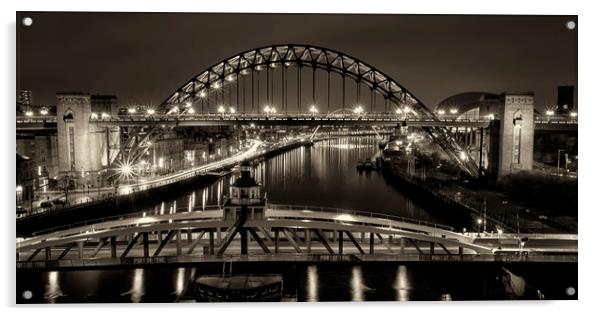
247,157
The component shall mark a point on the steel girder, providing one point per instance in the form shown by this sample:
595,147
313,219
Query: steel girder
259,59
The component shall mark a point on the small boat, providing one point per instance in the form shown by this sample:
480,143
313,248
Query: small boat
239,288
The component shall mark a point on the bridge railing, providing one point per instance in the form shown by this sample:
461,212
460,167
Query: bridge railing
359,213
280,116
290,257
117,217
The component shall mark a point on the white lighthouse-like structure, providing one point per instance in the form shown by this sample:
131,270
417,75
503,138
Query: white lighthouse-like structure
245,202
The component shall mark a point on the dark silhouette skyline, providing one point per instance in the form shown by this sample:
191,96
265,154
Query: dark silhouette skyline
144,57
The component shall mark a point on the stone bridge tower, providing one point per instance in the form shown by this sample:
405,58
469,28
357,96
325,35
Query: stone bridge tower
79,146
516,131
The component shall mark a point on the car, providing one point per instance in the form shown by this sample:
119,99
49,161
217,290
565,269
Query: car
59,202
46,204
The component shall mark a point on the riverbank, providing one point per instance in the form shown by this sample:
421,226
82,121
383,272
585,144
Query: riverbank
137,199
485,209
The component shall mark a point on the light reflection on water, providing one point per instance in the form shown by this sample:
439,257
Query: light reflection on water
53,289
137,290
180,281
312,284
357,284
402,284
324,174
318,282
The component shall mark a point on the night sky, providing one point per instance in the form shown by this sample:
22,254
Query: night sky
144,58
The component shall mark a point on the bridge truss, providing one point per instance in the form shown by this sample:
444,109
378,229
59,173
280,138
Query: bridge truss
245,83
285,229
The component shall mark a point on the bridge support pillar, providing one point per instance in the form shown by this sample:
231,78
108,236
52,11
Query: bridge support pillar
308,239
244,241
113,247
80,249
48,253
371,243
179,242
211,243
402,246
340,242
145,244
276,237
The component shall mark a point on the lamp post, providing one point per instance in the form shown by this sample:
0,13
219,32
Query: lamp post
558,165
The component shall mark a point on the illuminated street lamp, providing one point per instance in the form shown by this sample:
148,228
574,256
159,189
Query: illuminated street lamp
573,114
221,109
313,109
441,112
188,104
232,110
479,221
453,111
203,94
549,112
44,112
191,111
398,111
104,115
150,111
358,109
29,113
132,110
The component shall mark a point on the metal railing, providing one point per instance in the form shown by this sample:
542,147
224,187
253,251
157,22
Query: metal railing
291,257
119,217
358,213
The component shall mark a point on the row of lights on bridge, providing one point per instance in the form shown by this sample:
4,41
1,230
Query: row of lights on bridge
42,112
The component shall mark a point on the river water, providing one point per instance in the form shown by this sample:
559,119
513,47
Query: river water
322,175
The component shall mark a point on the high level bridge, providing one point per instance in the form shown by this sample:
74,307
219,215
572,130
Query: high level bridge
287,84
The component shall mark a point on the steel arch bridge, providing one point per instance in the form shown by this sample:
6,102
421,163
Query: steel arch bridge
229,73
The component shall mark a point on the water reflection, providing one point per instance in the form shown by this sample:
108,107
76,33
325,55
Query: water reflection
137,290
324,174
312,284
402,284
357,284
180,280
52,288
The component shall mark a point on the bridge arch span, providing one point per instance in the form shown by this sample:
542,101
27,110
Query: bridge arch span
229,71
